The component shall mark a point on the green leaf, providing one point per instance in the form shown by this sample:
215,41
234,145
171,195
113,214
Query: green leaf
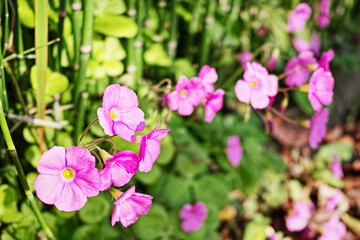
8,205
86,232
328,177
115,7
326,152
153,224
32,155
177,192
113,49
149,178
183,66
95,209
191,165
116,26
113,68
156,55
168,150
31,177
302,100
26,14
255,230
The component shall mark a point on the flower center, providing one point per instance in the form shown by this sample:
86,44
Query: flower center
68,174
183,93
253,83
112,114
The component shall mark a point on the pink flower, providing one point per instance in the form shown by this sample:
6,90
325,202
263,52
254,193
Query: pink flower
321,89
333,229
333,201
272,63
119,169
208,77
257,87
318,127
150,148
299,68
129,206
234,151
323,19
298,220
336,167
298,18
185,97
325,60
213,104
67,178
120,113
193,216
245,57
301,45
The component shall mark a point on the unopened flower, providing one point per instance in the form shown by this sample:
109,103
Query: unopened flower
301,45
298,220
213,104
325,60
299,68
298,18
119,168
257,87
129,206
321,88
193,216
336,167
234,151
245,57
334,229
119,113
185,97
333,201
67,178
318,127
150,148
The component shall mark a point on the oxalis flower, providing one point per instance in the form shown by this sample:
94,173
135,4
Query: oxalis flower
299,218
185,97
325,59
129,206
234,151
321,88
336,167
257,87
213,104
207,77
333,229
67,178
323,19
301,45
245,57
120,114
193,216
298,18
318,127
150,148
119,168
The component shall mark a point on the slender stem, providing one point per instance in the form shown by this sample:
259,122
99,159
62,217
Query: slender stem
282,116
81,115
131,57
6,26
139,45
233,17
172,45
21,64
85,49
15,83
76,18
24,183
62,15
194,27
86,130
206,38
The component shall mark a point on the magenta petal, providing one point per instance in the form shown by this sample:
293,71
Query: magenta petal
47,194
105,179
209,113
89,182
72,198
181,83
79,159
133,118
234,151
191,225
119,176
124,132
141,202
151,154
52,161
105,121
195,96
121,97
185,108
173,101
242,91
160,133
128,160
186,211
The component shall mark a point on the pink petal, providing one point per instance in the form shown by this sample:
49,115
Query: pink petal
315,103
191,225
88,182
127,214
121,97
71,198
185,108
272,85
160,133
79,159
242,91
127,159
119,176
52,161
209,113
173,101
152,152
259,101
105,121
181,83
141,202
186,211
195,96
105,179
48,188
124,132
133,118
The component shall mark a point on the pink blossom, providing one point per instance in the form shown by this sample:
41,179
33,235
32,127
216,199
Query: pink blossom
301,45
185,97
333,229
150,148
298,220
193,216
272,63
333,201
325,60
208,77
245,57
213,104
119,169
67,178
318,127
323,19
298,18
119,113
129,206
299,68
321,88
234,151
257,87
336,167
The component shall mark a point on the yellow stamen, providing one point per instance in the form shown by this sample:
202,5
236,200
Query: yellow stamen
68,173
115,193
112,114
304,88
253,83
312,67
183,93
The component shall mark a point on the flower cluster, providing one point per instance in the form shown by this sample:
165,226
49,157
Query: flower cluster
69,176
193,216
198,90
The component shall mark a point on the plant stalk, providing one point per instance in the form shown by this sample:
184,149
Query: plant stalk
206,38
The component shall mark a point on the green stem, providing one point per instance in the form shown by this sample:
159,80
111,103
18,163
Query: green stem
194,27
81,116
131,58
6,26
234,16
85,49
139,42
24,183
62,15
206,38
76,19
174,31
21,64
